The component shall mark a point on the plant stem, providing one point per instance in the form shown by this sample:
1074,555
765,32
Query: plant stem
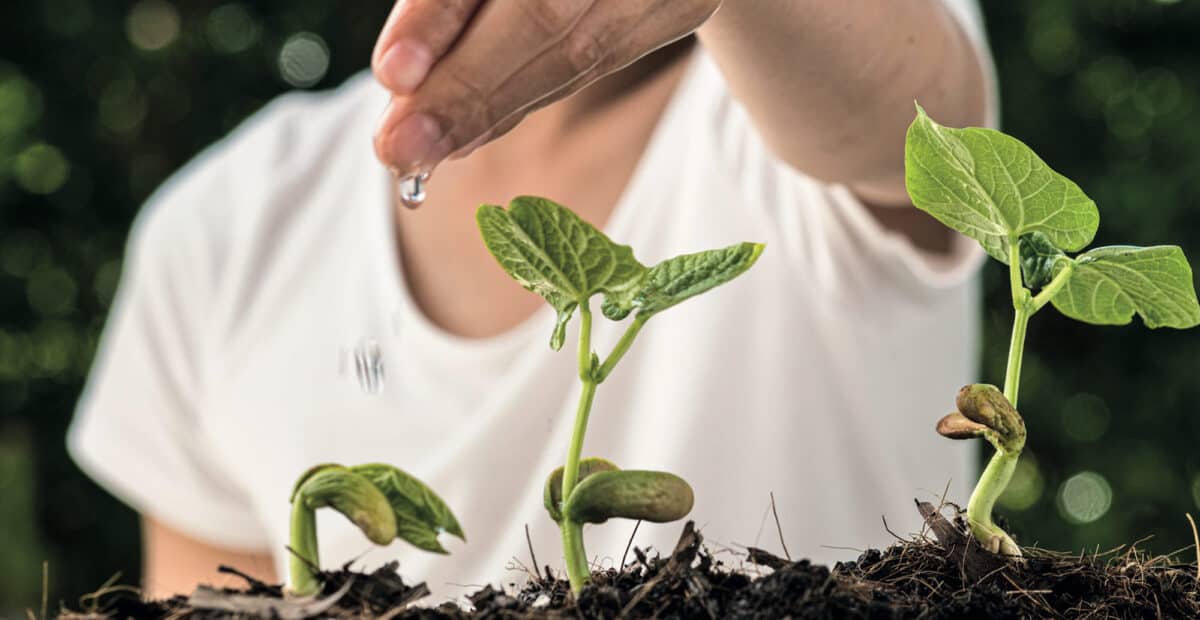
305,555
1050,290
623,345
992,482
1022,305
572,533
1016,352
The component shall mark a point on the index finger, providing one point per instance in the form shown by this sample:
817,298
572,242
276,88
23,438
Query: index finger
416,35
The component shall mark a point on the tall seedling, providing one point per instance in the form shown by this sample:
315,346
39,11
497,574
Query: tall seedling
994,189
552,252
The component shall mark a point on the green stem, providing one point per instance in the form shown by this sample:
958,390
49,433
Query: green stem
1050,290
623,345
1016,353
992,482
1022,305
578,571
576,557
304,549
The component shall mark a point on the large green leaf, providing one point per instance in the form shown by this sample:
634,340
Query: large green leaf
1110,284
992,188
677,279
420,514
552,252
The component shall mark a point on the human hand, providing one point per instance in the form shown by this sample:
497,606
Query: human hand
464,72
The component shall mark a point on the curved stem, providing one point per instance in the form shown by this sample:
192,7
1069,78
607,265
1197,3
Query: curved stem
995,478
305,556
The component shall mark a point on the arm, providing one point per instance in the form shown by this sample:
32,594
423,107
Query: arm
831,85
173,562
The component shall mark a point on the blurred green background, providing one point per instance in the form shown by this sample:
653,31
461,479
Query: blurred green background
99,101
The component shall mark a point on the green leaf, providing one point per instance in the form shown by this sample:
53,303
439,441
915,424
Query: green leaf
1110,284
653,496
678,279
1040,260
992,188
552,252
420,514
552,493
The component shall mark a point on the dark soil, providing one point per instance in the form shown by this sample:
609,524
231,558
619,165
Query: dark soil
948,576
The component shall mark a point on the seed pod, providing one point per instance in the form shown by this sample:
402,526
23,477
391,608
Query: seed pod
552,494
985,404
653,496
350,494
956,426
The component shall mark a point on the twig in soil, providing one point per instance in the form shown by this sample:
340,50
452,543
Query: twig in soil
630,543
529,541
779,528
1196,538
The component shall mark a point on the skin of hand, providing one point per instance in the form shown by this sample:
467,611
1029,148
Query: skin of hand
173,562
830,85
463,72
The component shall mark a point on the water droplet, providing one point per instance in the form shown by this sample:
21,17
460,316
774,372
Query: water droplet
368,366
412,190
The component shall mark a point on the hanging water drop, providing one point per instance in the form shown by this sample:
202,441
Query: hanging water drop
412,190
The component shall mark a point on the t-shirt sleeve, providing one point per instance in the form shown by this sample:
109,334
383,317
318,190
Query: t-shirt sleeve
139,428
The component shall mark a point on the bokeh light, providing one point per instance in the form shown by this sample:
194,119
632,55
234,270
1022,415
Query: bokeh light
1084,497
41,169
303,60
231,28
152,24
20,102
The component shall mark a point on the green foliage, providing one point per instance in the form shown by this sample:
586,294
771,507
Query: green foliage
992,188
551,251
382,501
1105,89
420,514
1111,283
677,279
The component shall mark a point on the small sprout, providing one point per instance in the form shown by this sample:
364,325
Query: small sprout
992,188
552,252
382,501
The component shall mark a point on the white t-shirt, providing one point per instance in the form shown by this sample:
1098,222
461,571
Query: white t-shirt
818,375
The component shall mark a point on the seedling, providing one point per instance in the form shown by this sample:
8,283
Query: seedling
384,502
552,252
994,189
